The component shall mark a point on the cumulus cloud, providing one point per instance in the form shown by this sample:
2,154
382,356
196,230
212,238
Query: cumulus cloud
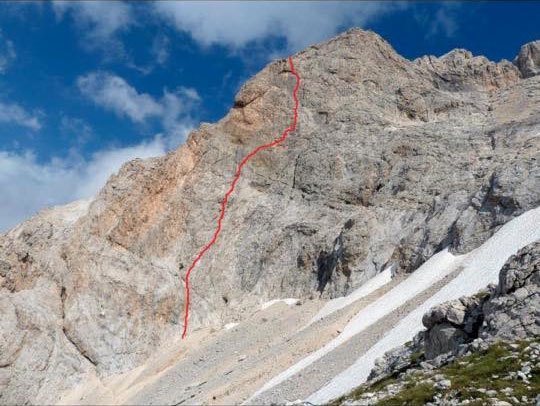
15,114
101,22
114,94
29,186
7,53
236,24
178,104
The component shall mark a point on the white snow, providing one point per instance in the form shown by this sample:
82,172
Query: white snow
480,268
229,326
289,301
370,286
433,270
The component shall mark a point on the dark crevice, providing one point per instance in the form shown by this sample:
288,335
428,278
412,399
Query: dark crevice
491,135
66,334
327,263
294,171
79,349
494,203
452,236
348,224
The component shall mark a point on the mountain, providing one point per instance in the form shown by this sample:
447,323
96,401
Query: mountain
398,174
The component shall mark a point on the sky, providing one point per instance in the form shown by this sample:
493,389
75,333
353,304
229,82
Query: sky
86,86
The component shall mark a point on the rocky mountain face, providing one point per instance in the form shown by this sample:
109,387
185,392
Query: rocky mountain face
509,312
393,160
472,336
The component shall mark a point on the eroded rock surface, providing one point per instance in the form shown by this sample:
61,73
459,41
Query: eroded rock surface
528,60
392,161
509,312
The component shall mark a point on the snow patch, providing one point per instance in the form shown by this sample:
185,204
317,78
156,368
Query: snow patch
480,268
288,301
229,326
367,288
432,271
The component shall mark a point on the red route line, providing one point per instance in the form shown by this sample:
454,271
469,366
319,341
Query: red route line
283,137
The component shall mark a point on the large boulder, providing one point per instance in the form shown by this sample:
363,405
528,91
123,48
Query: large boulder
511,311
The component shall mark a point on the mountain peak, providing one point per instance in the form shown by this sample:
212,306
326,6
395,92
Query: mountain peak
392,162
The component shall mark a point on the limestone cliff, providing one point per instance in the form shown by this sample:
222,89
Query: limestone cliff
393,160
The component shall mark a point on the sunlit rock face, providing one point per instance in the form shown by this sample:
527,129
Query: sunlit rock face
393,160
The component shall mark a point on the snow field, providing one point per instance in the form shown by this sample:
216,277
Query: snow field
480,268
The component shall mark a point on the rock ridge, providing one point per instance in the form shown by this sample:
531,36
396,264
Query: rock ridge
393,160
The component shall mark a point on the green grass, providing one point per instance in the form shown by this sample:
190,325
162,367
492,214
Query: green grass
417,356
466,379
358,392
483,365
416,395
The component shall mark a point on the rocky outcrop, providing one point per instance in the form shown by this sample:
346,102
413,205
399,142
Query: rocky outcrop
528,59
452,324
514,311
459,70
501,374
498,325
510,312
393,160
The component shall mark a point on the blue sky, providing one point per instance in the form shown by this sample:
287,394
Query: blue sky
85,86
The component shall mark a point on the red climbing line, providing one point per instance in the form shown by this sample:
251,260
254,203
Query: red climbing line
283,137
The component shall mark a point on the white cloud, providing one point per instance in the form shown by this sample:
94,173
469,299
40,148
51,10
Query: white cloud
76,128
444,21
177,104
160,49
28,186
13,113
236,24
101,21
7,53
115,94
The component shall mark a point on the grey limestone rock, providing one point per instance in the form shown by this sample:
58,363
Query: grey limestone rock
510,312
393,160
528,59
514,312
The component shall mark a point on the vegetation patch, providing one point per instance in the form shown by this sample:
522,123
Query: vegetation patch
509,372
490,370
417,356
418,394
